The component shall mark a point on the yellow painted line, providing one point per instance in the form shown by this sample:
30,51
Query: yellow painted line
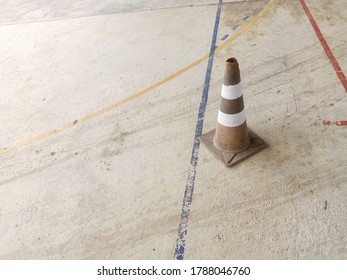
247,26
138,94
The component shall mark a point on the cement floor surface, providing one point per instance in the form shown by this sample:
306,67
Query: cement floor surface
99,106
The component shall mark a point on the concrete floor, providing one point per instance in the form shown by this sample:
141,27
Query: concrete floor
110,186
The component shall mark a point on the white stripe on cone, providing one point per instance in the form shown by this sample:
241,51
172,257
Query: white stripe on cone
232,92
231,120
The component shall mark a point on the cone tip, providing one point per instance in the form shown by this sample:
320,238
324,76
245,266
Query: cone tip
231,60
232,72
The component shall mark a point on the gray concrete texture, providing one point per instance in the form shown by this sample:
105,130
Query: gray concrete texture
111,187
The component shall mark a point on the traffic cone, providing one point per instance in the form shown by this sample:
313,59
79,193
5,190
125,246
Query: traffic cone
232,142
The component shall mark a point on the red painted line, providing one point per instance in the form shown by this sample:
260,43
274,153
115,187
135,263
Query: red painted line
338,123
325,45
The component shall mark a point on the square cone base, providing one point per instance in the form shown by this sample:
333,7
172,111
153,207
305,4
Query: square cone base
230,159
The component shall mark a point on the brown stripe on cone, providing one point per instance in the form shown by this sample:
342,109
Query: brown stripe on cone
231,139
231,106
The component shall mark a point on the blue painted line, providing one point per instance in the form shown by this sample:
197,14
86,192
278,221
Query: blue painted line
188,193
246,17
224,37
235,26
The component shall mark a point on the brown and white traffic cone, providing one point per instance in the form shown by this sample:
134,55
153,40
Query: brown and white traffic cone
232,142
